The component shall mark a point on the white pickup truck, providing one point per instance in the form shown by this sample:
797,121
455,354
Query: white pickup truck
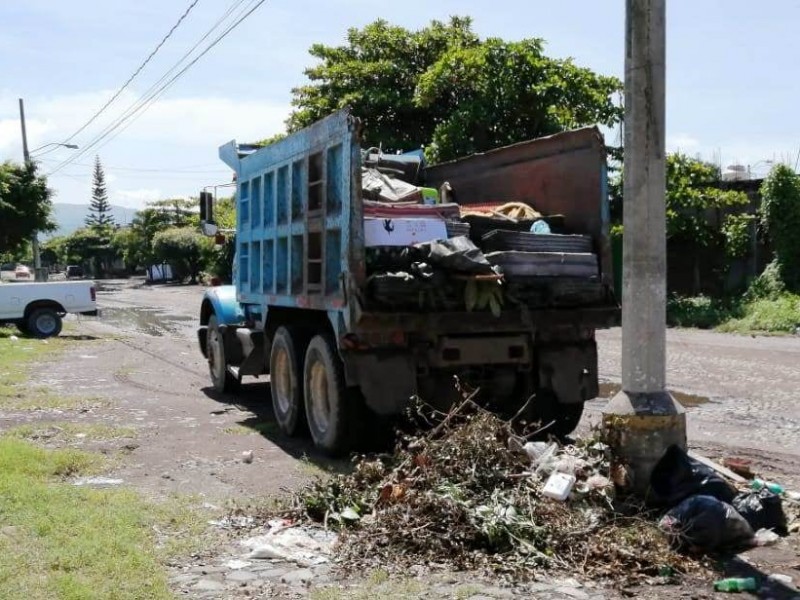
37,308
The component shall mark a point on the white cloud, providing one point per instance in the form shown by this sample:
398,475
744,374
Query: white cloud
135,198
188,120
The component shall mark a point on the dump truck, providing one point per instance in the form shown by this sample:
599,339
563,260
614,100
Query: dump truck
300,308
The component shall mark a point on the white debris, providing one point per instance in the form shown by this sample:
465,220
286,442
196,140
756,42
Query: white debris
13,338
247,457
97,481
235,522
766,537
305,546
236,564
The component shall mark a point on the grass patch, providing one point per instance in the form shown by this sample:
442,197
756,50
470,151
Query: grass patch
252,427
70,432
776,315
378,584
61,541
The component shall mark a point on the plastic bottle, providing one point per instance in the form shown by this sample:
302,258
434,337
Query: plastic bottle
540,227
735,584
758,484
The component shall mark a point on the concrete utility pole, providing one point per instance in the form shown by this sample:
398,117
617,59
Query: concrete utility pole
37,258
644,416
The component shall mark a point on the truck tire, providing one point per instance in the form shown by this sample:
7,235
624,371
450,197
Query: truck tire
565,417
326,397
44,323
286,379
221,378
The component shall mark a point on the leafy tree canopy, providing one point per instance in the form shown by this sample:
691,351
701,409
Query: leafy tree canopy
780,219
185,248
25,205
444,87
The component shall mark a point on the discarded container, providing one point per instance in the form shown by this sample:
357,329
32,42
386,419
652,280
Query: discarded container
766,537
558,486
758,484
535,450
735,584
540,227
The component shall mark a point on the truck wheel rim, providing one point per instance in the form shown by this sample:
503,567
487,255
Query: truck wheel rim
283,382
320,403
46,323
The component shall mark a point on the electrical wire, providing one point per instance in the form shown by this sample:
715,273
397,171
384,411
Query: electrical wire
136,72
147,99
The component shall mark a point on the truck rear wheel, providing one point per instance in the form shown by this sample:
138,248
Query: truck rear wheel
44,323
221,378
286,378
326,401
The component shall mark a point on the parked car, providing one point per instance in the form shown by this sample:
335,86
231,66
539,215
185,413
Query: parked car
22,272
74,271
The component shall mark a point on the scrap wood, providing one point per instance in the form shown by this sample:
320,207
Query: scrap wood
724,471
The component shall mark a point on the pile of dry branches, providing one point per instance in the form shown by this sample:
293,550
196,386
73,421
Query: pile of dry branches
463,495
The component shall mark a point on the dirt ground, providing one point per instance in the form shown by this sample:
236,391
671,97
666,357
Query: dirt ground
147,373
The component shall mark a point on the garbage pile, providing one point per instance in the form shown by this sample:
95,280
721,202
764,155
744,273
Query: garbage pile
524,257
471,493
707,513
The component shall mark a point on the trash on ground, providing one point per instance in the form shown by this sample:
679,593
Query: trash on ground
736,584
740,466
233,522
766,537
305,546
760,484
247,457
97,481
237,564
724,471
13,338
762,509
780,579
558,486
678,476
466,494
705,523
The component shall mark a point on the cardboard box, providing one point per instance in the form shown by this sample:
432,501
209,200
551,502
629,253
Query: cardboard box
403,231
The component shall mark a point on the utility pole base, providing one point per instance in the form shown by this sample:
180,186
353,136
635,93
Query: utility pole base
640,428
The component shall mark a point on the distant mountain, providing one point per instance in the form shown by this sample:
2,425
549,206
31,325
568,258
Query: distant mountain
69,217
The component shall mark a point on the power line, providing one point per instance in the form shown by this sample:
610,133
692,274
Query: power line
137,71
149,98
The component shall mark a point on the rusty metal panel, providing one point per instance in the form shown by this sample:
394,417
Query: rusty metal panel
561,174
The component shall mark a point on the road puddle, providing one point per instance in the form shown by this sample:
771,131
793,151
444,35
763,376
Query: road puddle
609,389
144,320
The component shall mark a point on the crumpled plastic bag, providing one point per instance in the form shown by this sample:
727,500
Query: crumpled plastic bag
706,523
457,254
763,510
677,476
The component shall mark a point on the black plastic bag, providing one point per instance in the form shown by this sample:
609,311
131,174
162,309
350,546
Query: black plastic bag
707,524
457,254
763,510
677,476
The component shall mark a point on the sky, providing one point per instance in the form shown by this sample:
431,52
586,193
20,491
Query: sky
732,79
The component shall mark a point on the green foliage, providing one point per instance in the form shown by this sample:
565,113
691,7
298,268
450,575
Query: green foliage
99,218
769,285
444,85
736,231
690,195
90,246
185,248
780,220
698,311
225,215
780,314
25,205
270,140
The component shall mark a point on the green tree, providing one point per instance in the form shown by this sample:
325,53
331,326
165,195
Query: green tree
442,85
131,245
780,220
185,248
25,206
99,217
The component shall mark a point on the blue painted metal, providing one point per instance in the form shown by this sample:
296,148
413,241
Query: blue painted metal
226,307
300,232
